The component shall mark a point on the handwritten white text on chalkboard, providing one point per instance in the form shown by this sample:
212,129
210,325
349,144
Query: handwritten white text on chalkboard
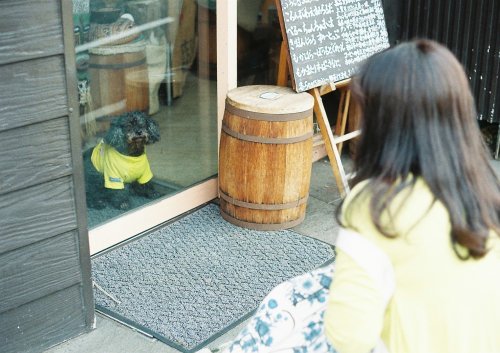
327,39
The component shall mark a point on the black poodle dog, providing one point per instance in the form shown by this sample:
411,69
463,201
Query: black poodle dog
119,162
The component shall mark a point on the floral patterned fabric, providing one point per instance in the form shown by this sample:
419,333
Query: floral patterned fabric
290,318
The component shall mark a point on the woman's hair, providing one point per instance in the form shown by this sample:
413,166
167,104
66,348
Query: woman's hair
418,119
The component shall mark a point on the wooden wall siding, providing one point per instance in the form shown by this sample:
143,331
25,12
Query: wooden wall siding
42,154
49,266
32,91
35,326
37,213
45,284
30,29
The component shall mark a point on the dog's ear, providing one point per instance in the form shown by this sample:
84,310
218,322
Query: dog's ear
116,136
153,130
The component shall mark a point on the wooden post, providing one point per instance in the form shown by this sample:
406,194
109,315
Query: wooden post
333,145
282,79
331,148
342,115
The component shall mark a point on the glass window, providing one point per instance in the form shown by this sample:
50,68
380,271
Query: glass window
148,102
259,41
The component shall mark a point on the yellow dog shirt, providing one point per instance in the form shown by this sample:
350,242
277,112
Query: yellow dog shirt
118,168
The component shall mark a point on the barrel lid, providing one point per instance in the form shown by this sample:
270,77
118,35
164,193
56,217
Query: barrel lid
269,99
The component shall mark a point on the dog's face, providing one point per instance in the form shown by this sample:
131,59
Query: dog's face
130,132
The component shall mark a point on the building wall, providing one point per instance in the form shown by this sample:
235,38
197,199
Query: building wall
45,285
392,13
469,28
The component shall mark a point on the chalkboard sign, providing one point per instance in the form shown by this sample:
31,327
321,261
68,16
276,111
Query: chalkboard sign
327,39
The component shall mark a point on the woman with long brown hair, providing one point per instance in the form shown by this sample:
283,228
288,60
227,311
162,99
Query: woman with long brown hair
418,263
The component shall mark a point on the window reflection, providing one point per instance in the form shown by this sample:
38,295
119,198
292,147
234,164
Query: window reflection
147,100
259,41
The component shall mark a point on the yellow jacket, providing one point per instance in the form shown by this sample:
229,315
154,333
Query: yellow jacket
118,168
441,304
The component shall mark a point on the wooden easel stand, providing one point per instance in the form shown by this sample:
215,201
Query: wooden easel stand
333,144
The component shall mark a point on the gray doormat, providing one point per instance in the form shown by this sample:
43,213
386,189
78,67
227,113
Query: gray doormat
192,280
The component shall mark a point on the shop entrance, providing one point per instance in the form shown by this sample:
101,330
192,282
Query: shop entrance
142,62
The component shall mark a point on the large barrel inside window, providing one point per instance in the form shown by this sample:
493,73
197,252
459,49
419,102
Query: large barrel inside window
119,78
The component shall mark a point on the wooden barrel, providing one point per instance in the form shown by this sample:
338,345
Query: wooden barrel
119,79
265,157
